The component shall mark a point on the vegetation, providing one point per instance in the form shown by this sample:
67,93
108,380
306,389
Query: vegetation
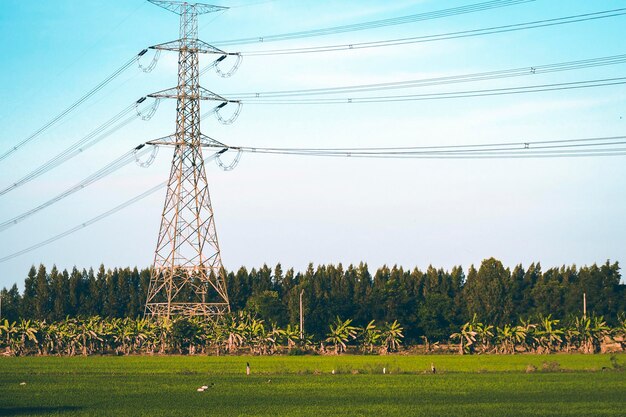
519,385
243,333
430,305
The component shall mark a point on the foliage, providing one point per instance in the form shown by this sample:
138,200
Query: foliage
430,304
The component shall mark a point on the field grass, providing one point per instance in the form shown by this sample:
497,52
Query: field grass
559,385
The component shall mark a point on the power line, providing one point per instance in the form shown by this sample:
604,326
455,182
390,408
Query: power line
444,36
477,7
519,143
598,146
80,56
113,166
503,150
80,101
91,139
447,95
483,76
132,155
92,220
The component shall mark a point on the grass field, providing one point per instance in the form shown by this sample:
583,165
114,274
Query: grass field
561,385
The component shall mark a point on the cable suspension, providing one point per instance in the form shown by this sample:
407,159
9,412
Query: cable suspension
231,119
232,70
113,166
444,36
97,135
152,64
448,95
147,162
428,82
92,220
73,106
232,165
455,11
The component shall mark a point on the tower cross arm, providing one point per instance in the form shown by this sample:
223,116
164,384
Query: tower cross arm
192,45
202,94
179,7
173,140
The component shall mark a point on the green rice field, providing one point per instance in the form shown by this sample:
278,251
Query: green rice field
497,385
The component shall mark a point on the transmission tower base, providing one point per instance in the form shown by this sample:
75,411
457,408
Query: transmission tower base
187,309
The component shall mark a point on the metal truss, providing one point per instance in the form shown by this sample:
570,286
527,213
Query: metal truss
187,276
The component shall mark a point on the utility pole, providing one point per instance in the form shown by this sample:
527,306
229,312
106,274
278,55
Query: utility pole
301,317
187,276
585,305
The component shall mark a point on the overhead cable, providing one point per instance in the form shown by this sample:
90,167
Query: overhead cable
444,36
437,81
91,221
134,155
598,146
77,103
446,95
113,166
455,11
97,135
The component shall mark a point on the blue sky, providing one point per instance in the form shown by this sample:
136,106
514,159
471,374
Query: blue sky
297,210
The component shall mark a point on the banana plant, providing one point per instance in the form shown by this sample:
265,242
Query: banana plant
509,337
8,330
341,332
370,336
26,336
291,336
548,335
392,336
466,336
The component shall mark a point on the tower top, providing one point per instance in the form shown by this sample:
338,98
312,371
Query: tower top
180,7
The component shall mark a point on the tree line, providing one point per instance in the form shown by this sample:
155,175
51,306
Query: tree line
433,303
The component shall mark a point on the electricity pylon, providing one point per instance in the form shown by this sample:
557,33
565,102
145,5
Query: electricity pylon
187,276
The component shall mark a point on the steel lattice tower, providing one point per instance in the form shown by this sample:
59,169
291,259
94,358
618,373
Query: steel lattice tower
187,276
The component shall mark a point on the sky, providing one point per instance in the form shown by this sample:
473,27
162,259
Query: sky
295,209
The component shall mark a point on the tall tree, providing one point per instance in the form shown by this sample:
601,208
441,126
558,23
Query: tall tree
43,300
29,299
486,293
10,304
